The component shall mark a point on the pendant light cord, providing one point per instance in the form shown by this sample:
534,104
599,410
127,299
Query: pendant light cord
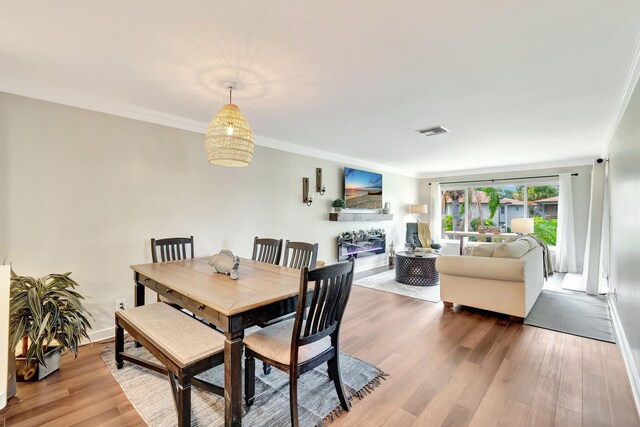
230,90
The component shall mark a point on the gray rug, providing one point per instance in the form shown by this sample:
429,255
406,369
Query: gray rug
573,313
387,282
150,394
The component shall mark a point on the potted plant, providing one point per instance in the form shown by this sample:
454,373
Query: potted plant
338,205
46,316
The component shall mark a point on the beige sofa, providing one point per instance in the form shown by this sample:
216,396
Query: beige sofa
505,278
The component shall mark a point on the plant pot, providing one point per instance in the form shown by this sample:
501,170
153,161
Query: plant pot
34,371
337,210
11,380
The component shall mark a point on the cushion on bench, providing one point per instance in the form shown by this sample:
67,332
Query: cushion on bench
179,336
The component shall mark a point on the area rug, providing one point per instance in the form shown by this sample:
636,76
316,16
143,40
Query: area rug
573,313
318,402
387,282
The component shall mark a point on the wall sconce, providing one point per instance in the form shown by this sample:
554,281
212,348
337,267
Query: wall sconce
319,187
305,192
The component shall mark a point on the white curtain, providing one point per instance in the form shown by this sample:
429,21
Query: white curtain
566,239
591,271
606,223
435,212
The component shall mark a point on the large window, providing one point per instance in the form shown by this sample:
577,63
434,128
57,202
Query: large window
493,207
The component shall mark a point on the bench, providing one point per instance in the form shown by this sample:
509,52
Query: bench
185,346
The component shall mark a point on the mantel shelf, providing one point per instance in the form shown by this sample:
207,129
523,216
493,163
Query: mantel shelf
359,216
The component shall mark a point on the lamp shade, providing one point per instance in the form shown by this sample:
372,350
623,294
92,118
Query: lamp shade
522,225
419,209
229,140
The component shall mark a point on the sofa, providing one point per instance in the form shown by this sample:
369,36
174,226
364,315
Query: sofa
501,277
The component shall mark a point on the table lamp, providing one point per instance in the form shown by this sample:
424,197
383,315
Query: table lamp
419,209
522,225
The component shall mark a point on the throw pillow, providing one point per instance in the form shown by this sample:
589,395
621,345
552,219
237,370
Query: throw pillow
483,250
514,250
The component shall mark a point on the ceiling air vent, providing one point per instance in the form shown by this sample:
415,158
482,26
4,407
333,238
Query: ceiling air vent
433,131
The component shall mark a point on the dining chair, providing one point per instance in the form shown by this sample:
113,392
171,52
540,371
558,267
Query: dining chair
299,345
171,249
296,255
267,250
300,254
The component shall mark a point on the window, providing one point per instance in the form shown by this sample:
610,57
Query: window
468,209
453,210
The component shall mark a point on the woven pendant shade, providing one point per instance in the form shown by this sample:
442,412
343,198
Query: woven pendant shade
229,140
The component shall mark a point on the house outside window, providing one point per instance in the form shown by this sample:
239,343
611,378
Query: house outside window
467,209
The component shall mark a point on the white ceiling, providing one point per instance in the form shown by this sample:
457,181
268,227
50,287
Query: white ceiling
516,82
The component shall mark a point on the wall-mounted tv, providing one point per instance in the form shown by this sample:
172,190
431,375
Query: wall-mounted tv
362,189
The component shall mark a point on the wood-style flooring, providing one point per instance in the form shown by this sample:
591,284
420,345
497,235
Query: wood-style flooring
459,368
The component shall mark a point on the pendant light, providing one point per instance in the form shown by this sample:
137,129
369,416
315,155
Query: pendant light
229,140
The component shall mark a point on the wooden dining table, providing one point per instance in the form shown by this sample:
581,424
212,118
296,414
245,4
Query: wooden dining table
261,293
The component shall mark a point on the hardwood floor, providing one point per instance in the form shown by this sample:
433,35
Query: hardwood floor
446,368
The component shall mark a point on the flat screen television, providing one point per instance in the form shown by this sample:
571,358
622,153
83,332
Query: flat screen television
362,189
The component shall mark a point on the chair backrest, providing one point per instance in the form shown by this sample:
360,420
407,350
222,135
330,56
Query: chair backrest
412,234
267,250
331,289
300,254
171,249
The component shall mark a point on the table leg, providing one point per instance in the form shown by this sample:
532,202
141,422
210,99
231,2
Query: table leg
138,297
233,379
138,300
461,244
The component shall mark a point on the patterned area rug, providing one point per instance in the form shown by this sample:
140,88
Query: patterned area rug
386,282
150,394
574,313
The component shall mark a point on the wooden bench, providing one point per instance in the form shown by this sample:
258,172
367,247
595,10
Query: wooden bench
185,346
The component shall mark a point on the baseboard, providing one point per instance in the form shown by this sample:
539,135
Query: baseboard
382,263
632,371
100,335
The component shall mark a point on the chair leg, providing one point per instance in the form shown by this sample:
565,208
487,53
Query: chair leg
329,372
293,397
266,368
334,368
119,346
249,378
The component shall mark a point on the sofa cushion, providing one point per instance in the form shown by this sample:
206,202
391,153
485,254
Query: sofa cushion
483,250
513,250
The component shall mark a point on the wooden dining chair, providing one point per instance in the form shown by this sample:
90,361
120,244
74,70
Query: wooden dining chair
267,250
299,345
171,249
300,254
296,255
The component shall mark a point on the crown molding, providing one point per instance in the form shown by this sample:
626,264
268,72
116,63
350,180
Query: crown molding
326,155
173,121
568,163
625,96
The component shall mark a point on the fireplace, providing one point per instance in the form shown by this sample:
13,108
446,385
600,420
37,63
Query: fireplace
358,244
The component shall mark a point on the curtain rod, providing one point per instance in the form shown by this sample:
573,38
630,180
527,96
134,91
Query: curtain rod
502,179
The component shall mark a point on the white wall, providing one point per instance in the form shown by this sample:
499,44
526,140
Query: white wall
86,191
624,185
581,194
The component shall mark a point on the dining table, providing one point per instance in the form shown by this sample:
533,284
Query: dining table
262,292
